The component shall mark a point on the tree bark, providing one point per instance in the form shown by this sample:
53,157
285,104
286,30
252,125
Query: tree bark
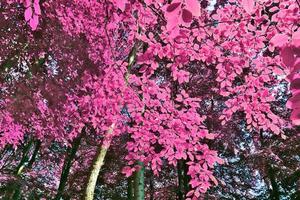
13,191
139,191
130,192
71,153
24,159
292,179
35,152
186,177
180,174
274,193
151,185
17,190
97,164
183,179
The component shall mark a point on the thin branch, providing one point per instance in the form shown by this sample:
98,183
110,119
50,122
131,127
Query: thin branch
298,3
106,32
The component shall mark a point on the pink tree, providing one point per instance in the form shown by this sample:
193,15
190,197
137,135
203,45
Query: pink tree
138,75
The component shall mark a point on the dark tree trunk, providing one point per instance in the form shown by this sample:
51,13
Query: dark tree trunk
180,174
151,185
186,178
130,191
67,166
35,152
14,190
292,179
274,193
24,159
183,179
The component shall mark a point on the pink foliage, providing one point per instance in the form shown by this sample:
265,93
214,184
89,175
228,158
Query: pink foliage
290,56
153,98
11,132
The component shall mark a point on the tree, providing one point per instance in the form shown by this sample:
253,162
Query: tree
171,75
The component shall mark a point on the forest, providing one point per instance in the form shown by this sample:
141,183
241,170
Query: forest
149,99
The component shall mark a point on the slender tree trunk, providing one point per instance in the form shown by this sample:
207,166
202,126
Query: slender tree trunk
151,185
291,180
24,159
71,153
17,190
5,150
10,190
97,164
139,191
35,152
183,179
186,177
130,192
274,193
180,174
13,191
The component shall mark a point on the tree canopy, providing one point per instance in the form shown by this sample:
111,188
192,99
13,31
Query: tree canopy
206,91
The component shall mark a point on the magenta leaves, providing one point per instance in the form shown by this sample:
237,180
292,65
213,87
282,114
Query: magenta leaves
169,76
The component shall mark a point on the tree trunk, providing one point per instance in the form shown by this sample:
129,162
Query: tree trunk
97,164
17,190
130,192
5,150
289,181
35,152
139,192
186,177
10,189
151,185
183,179
71,153
180,174
13,191
24,159
274,193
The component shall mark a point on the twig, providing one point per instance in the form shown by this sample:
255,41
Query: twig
298,3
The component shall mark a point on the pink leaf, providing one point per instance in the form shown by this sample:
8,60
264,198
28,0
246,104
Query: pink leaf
220,161
295,84
211,136
28,13
179,98
249,6
127,171
194,7
294,102
213,179
27,3
287,55
295,116
279,40
194,183
37,8
172,23
172,17
197,194
190,193
296,38
33,23
121,4
173,7
187,16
